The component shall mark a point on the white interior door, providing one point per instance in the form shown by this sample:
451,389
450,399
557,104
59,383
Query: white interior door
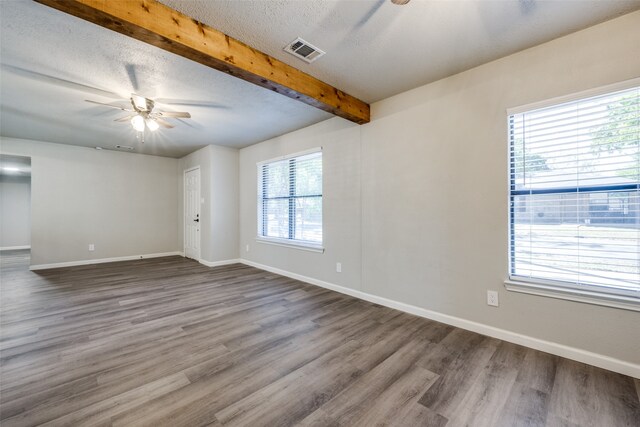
192,213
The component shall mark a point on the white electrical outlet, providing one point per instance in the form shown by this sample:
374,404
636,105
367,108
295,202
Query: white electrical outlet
338,267
247,248
492,298
92,247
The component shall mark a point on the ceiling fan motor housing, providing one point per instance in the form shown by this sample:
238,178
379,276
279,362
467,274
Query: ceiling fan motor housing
141,104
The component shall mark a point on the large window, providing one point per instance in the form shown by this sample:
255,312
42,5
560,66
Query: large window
290,200
575,196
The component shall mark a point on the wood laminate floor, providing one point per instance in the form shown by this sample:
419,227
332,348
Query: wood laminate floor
168,341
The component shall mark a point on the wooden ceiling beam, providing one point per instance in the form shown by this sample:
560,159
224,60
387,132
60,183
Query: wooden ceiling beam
168,29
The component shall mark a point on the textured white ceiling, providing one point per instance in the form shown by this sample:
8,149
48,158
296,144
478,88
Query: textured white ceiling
374,50
37,41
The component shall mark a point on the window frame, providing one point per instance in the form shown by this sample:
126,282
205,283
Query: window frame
260,211
552,288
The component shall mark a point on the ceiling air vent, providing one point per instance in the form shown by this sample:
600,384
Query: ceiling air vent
304,50
124,147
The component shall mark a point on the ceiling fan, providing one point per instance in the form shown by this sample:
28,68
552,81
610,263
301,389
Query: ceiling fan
144,115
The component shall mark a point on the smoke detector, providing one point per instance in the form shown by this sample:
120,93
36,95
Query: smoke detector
304,50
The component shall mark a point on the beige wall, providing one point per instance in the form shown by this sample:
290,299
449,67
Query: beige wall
219,211
415,202
340,142
123,203
15,207
225,204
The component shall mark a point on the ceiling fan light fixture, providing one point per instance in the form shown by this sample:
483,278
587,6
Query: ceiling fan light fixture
152,125
143,115
138,123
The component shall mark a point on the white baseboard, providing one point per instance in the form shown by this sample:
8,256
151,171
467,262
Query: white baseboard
14,248
219,263
595,359
102,260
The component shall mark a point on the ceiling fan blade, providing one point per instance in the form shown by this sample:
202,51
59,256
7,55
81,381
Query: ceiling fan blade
164,123
178,114
189,123
125,118
59,81
107,105
133,77
189,103
372,11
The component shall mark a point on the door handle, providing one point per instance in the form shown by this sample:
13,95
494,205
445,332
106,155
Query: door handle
196,220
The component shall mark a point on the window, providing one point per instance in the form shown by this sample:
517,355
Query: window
575,198
290,200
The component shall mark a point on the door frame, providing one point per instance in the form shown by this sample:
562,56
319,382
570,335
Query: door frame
184,210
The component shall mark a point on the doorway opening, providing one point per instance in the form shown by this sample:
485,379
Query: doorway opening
15,210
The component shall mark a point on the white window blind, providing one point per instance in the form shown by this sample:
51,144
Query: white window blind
290,199
575,194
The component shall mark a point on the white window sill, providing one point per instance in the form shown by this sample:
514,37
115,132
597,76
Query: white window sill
291,244
584,296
